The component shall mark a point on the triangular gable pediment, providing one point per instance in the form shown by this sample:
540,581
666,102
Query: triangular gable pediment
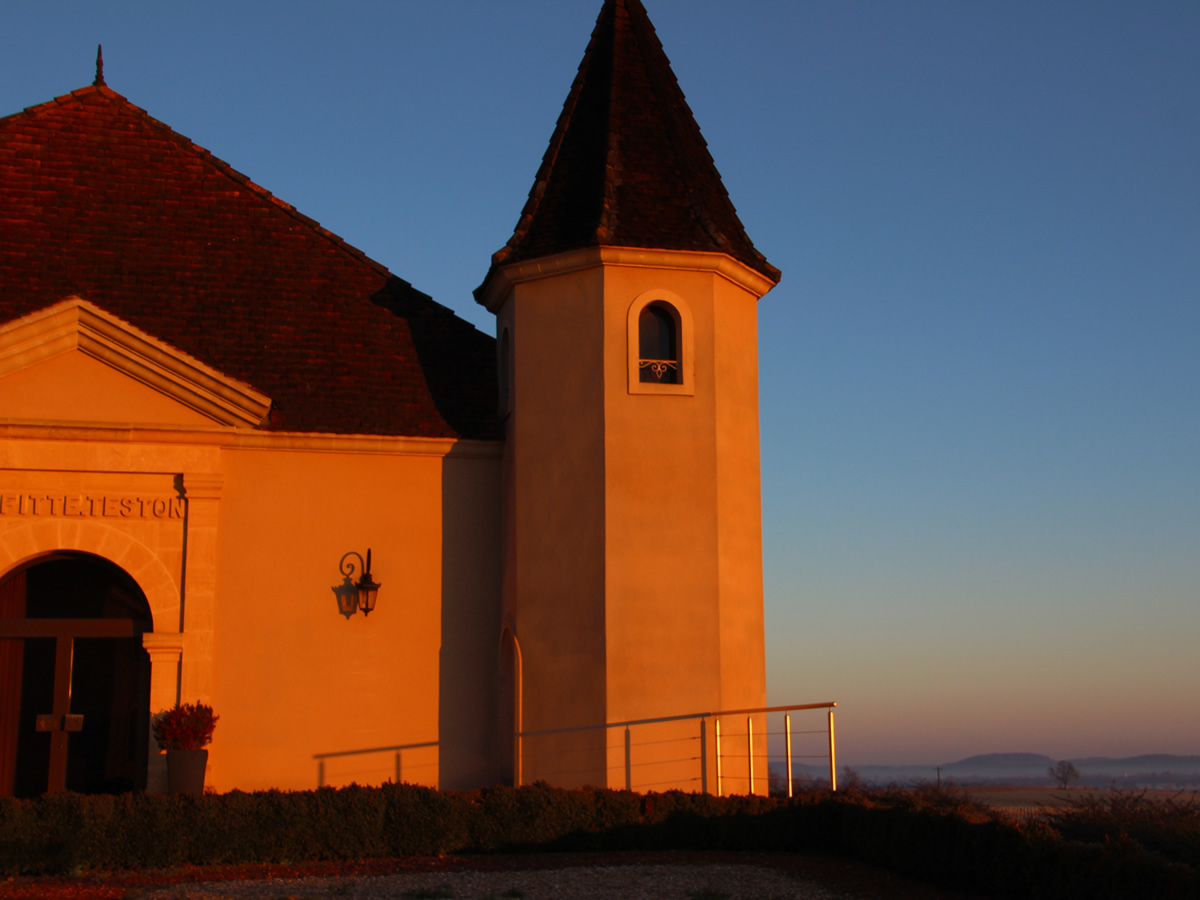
75,326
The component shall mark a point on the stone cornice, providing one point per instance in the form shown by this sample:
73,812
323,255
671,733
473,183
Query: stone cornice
505,277
237,439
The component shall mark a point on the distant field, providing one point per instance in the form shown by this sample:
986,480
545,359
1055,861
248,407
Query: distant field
1049,797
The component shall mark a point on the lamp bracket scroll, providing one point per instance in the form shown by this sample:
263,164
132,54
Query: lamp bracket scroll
352,595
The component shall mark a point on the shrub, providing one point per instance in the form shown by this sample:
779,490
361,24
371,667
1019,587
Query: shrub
185,727
1167,826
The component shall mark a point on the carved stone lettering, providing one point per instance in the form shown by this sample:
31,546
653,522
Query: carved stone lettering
14,504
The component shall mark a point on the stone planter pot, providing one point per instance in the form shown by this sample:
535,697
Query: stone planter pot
185,771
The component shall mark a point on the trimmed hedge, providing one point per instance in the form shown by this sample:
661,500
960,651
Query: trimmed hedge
67,832
928,838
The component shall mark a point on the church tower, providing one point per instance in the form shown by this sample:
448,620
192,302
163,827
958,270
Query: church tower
627,333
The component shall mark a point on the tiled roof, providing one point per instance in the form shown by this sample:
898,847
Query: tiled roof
101,201
627,165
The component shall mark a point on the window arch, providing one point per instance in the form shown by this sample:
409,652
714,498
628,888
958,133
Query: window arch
659,344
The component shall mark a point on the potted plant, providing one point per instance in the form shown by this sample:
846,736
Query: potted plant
183,731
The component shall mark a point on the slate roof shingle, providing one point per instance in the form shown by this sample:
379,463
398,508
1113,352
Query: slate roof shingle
627,165
100,200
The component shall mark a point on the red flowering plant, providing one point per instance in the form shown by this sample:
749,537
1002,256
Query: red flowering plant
187,726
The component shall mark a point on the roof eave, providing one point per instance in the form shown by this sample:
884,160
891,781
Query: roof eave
503,278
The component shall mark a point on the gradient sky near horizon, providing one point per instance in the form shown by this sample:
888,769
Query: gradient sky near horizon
980,375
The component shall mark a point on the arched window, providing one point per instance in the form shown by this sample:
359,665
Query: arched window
658,344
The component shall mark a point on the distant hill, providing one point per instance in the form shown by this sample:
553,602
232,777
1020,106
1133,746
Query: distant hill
1002,761
1155,770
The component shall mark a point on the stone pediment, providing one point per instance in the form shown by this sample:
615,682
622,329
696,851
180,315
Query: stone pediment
74,361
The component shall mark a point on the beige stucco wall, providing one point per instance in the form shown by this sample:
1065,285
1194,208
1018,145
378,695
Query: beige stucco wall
239,572
470,618
554,493
635,552
291,676
739,499
631,565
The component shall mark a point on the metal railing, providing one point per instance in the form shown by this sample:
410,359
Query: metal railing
397,749
721,752
727,748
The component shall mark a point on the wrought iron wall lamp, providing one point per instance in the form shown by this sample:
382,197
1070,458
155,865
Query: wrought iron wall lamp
355,595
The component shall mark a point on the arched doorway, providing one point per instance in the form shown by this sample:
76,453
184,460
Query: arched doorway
510,721
74,678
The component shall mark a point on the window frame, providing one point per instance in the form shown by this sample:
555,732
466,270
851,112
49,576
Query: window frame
684,344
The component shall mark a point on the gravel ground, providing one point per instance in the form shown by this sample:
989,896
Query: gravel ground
705,882
659,875
631,876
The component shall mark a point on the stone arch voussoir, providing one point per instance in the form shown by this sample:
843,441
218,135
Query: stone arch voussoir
141,563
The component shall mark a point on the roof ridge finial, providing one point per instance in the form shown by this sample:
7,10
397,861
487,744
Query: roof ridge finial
99,82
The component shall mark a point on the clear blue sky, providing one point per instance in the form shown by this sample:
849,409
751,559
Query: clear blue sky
980,373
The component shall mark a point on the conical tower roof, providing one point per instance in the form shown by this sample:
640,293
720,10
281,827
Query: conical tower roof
627,165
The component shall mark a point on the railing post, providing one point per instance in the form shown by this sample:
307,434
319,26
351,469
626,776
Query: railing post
398,769
717,734
628,762
750,748
787,741
320,773
703,759
832,755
